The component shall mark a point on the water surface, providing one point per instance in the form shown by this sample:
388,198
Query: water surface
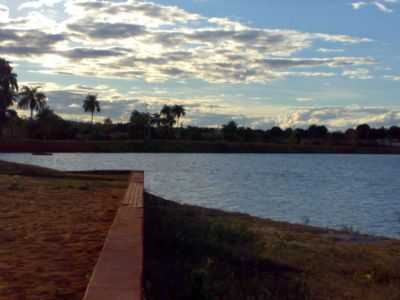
358,191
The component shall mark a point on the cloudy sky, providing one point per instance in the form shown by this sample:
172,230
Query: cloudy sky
260,62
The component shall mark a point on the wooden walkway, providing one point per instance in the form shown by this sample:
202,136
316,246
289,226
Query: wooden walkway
118,272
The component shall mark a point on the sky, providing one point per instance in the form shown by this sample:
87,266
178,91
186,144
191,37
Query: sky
262,63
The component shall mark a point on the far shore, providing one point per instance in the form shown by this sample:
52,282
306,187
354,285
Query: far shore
181,146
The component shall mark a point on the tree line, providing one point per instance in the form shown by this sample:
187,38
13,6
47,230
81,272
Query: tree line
44,123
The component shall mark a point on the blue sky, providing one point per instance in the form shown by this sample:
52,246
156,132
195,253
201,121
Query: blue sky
270,62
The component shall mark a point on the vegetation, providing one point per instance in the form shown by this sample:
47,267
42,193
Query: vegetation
32,99
210,254
92,105
8,90
167,124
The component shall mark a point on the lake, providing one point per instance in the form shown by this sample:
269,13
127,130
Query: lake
336,191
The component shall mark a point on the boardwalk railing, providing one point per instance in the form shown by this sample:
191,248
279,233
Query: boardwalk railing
118,272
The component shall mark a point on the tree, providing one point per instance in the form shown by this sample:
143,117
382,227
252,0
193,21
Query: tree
394,132
155,120
178,111
92,105
108,122
317,132
8,90
140,123
363,131
32,99
276,132
168,116
229,130
50,125
12,120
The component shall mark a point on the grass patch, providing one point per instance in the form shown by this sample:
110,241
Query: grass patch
204,254
191,253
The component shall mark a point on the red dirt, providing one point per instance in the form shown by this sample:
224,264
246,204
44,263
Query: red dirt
52,230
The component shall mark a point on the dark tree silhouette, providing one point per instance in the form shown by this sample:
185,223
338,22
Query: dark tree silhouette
394,132
363,131
178,112
155,120
140,124
32,99
230,130
8,90
49,123
317,132
276,132
168,117
108,122
92,105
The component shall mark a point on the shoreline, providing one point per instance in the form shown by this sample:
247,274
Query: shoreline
177,146
209,252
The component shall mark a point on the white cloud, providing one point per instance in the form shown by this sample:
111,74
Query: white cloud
339,118
392,77
144,40
360,74
358,5
38,4
4,12
382,5
326,50
211,110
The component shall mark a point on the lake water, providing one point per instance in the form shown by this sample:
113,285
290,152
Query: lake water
358,191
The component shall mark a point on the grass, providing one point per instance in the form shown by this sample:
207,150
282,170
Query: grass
53,227
198,253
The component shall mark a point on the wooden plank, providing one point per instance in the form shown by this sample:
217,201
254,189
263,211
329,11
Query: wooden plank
119,270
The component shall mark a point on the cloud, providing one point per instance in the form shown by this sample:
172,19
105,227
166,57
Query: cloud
4,12
326,50
211,110
392,77
135,39
381,5
360,74
339,118
23,43
38,4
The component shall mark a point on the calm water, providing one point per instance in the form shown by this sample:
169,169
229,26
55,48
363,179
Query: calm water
360,191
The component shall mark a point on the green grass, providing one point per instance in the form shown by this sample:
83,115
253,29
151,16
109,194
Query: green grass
193,254
204,254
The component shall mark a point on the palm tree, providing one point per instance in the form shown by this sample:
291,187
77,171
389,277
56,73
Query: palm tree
168,116
32,99
155,120
8,89
92,105
179,112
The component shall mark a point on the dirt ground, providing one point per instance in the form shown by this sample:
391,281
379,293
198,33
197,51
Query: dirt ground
52,229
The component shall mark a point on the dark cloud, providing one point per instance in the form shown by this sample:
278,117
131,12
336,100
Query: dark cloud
88,53
98,30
